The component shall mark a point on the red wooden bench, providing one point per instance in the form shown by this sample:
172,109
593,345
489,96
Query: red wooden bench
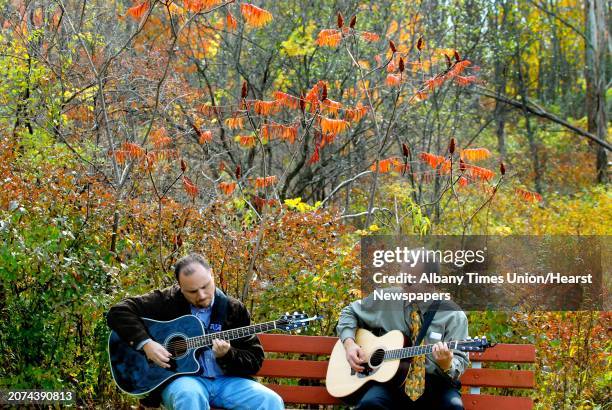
474,378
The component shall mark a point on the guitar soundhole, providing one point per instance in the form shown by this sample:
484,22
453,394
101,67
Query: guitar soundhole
377,358
177,346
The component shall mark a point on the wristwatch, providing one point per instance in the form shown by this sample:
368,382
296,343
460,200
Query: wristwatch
449,371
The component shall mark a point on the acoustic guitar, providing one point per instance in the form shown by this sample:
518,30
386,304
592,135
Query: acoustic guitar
383,360
182,337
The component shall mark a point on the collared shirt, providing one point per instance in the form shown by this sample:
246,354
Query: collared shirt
207,358
394,314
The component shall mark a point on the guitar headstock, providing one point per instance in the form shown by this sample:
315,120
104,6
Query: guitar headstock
295,320
475,345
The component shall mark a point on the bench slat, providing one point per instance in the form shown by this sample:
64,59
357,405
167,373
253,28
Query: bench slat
309,369
521,379
293,369
487,402
511,353
318,395
304,394
319,345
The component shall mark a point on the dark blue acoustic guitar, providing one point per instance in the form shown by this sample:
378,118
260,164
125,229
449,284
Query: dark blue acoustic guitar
182,337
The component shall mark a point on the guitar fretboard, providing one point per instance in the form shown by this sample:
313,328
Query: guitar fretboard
412,351
206,340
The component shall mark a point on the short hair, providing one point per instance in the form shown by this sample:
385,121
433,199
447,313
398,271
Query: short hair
185,264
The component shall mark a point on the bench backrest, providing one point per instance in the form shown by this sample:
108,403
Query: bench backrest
474,377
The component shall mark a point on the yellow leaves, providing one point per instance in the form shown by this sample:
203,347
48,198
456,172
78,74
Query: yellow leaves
300,42
475,154
235,123
190,187
255,16
263,182
246,141
329,38
298,205
136,12
266,107
227,187
528,195
331,126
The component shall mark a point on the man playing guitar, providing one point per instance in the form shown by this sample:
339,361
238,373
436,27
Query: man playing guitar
437,387
224,380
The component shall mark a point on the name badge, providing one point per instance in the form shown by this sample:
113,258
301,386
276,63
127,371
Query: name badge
435,336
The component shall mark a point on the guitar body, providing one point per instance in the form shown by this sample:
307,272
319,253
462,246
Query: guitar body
135,374
342,381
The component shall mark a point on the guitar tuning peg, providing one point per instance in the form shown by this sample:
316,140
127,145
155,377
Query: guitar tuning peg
295,313
286,313
469,338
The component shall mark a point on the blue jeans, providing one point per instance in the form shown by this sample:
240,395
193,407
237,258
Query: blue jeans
228,392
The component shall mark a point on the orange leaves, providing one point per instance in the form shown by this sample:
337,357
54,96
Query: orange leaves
393,80
262,182
231,22
431,159
246,141
390,164
228,188
479,172
331,126
205,136
266,107
355,114
528,195
139,10
255,16
371,37
331,107
198,5
133,151
287,100
465,81
235,123
315,155
190,187
329,38
160,138
475,154
286,132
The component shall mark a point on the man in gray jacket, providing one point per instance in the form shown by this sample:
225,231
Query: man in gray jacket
442,368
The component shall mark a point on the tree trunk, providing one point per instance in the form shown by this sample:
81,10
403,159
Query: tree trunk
595,74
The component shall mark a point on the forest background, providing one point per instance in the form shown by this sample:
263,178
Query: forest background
271,137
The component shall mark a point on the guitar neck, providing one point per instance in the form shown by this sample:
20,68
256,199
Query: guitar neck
406,352
227,335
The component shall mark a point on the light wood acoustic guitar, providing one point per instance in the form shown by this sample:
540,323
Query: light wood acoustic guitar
383,358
